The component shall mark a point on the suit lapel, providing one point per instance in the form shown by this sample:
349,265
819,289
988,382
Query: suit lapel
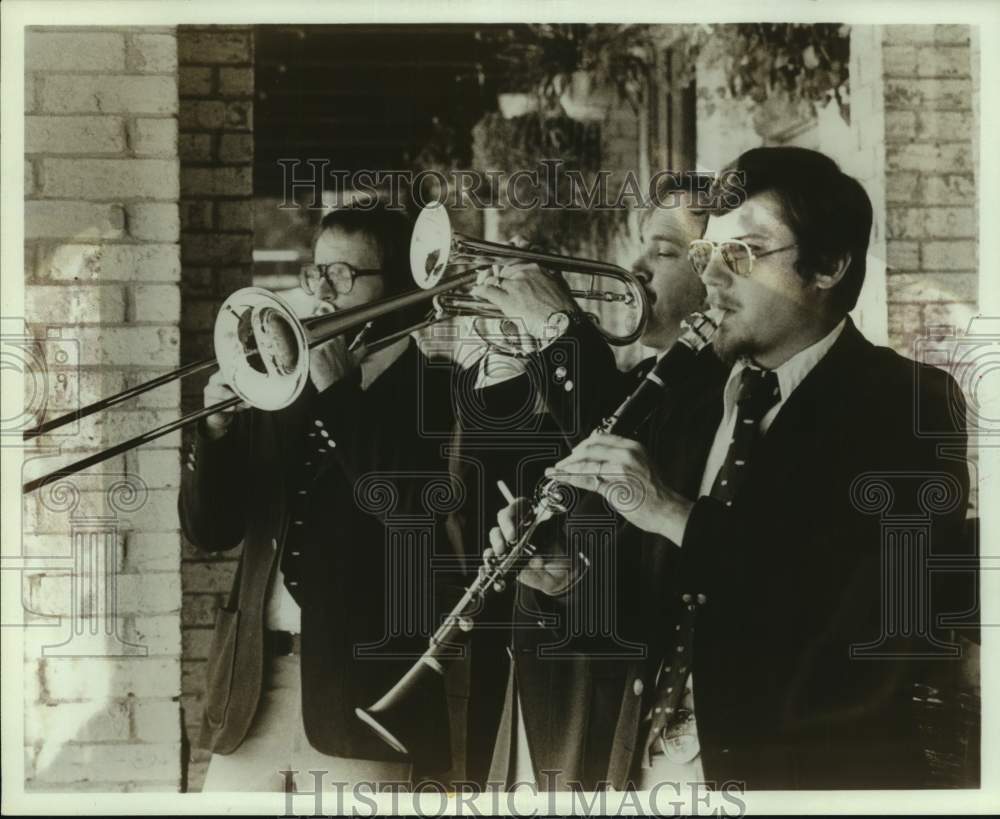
797,431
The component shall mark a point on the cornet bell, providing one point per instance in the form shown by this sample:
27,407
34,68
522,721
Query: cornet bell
430,246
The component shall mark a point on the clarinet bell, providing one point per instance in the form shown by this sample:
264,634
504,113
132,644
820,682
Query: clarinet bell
413,719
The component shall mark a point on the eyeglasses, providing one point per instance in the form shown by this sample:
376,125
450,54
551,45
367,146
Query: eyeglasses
339,276
735,253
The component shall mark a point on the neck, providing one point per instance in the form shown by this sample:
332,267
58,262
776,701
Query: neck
794,344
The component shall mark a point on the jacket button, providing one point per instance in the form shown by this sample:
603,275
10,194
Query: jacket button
318,423
638,687
331,443
685,598
702,598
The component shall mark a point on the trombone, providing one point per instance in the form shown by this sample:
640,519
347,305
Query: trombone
263,347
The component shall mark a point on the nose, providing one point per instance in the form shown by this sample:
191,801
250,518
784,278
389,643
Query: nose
716,274
640,269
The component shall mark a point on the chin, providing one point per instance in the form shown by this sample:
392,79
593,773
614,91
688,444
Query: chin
728,344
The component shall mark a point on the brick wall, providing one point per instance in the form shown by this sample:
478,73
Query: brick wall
930,180
102,264
216,149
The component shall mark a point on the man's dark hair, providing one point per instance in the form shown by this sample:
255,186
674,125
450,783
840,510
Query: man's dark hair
390,232
828,211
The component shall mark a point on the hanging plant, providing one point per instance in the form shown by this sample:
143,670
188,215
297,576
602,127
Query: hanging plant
520,144
793,62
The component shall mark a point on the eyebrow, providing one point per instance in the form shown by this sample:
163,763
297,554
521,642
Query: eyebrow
662,237
751,236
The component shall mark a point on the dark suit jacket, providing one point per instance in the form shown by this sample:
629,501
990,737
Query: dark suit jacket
241,490
796,577
500,436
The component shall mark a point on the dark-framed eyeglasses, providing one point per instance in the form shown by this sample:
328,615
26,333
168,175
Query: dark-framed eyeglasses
339,276
736,254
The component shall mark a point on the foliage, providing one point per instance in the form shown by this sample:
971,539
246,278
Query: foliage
520,144
794,61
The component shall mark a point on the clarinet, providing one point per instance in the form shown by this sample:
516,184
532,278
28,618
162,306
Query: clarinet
407,717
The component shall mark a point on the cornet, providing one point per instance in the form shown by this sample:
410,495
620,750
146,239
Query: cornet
263,347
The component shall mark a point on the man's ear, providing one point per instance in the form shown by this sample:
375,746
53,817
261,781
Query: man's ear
828,279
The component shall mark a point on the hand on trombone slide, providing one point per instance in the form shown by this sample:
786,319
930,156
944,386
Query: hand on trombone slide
216,391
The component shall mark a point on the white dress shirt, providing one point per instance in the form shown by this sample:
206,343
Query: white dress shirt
281,612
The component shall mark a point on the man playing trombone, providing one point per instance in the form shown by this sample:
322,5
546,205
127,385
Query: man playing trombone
306,634
764,591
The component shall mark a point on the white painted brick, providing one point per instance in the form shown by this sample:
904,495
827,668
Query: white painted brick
154,137
89,384
930,157
945,125
110,178
947,189
112,763
154,221
900,60
74,135
157,721
927,93
903,255
150,346
943,61
151,551
79,722
80,678
109,94
932,286
153,53
30,97
146,594
161,636
921,223
160,469
909,34
66,51
110,263
62,219
157,303
955,314
948,256
87,304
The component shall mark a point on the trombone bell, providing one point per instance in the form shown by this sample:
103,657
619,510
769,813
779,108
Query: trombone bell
262,348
